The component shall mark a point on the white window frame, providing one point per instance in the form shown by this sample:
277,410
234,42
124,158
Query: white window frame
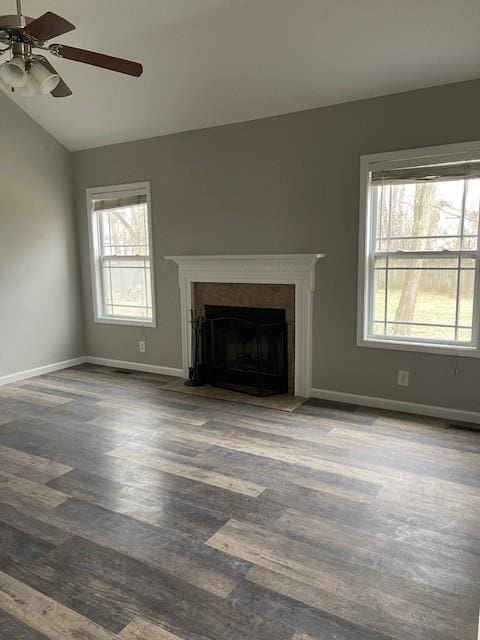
96,193
410,157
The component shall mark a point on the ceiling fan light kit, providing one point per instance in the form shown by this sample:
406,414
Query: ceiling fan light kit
29,89
30,73
45,79
13,72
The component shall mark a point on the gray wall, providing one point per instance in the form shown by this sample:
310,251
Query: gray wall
40,311
287,184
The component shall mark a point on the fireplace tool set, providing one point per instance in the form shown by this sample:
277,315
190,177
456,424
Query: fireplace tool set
197,372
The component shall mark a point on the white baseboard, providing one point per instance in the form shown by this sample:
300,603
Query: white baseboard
106,362
136,366
38,371
447,413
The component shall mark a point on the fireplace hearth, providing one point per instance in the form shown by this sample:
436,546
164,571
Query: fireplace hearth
246,349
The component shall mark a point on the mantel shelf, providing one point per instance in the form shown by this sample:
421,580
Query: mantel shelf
281,257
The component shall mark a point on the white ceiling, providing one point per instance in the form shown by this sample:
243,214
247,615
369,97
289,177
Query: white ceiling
211,62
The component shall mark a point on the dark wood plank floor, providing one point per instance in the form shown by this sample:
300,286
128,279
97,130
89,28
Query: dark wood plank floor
130,512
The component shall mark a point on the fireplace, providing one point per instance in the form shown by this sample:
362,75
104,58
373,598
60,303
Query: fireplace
296,271
273,297
246,349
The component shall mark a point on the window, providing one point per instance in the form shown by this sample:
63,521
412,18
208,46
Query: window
419,259
120,240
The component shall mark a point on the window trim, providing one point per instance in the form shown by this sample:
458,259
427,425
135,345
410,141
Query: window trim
91,194
441,153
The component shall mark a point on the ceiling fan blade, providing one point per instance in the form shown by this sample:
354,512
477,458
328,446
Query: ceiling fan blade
97,59
62,90
48,26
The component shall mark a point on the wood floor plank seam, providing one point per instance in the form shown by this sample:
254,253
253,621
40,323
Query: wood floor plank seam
131,512
45,615
143,630
306,456
28,495
298,561
149,457
26,463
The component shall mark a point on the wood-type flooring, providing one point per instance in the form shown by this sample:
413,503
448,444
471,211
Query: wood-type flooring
133,513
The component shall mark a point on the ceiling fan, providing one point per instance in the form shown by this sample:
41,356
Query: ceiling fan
30,73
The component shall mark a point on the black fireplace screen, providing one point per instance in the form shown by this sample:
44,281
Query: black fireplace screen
246,349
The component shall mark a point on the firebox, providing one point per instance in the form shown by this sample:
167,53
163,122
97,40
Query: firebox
246,349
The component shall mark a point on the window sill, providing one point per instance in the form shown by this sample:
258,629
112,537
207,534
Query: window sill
420,347
126,321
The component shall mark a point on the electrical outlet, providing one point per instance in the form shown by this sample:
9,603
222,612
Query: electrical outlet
141,346
403,378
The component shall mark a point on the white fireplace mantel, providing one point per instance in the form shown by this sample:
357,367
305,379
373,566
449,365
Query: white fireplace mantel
296,269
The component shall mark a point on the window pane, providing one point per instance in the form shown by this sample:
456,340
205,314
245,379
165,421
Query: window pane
426,295
128,225
127,264
466,295
420,298
124,231
430,244
132,312
106,287
379,328
380,196
125,250
464,335
379,292
424,216
148,287
104,222
128,286
421,332
433,263
472,204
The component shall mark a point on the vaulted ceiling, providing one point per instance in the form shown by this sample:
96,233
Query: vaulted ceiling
211,62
